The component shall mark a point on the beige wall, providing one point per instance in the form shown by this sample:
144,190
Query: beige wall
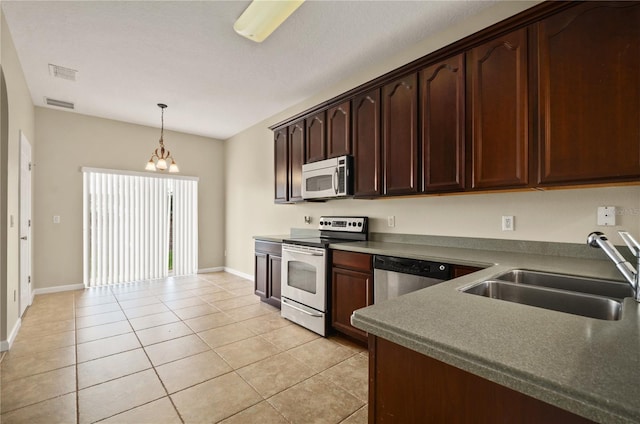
68,141
559,215
20,116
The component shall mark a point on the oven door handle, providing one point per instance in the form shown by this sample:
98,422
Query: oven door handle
301,310
302,253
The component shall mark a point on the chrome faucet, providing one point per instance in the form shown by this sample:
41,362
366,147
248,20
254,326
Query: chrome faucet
631,274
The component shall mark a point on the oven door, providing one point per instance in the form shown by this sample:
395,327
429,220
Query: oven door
304,275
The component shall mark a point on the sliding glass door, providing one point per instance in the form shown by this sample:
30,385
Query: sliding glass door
138,227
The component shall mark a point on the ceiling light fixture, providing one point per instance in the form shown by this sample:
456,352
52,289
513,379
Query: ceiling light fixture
160,156
262,17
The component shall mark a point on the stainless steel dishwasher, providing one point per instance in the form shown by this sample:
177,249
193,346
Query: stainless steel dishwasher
393,277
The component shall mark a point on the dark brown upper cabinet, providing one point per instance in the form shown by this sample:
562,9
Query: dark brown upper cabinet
281,165
442,110
339,130
316,137
366,144
498,103
400,135
296,159
589,94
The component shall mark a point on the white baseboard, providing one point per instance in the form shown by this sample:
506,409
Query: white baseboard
238,273
206,270
56,289
6,344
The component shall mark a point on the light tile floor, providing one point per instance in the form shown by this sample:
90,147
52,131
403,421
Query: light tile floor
198,349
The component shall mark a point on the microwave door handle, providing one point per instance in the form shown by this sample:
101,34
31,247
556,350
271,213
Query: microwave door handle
335,180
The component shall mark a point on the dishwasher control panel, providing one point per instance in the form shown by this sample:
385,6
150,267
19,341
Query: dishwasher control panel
417,267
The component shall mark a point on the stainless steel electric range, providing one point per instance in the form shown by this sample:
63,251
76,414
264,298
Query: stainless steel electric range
305,270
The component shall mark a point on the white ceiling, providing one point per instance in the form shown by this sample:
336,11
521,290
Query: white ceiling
131,55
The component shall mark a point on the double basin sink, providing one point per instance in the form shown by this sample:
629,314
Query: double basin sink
588,297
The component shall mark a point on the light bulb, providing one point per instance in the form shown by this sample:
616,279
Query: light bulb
162,164
150,166
173,167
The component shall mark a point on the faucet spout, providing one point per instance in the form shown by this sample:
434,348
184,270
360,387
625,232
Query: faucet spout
599,240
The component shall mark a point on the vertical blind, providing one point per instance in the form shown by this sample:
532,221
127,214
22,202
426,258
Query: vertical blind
185,227
128,218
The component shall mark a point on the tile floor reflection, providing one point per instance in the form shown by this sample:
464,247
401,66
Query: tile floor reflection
197,349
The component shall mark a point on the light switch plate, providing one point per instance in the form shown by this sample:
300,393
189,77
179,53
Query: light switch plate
606,216
56,219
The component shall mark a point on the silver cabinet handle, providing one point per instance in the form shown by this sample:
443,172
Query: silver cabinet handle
335,180
301,310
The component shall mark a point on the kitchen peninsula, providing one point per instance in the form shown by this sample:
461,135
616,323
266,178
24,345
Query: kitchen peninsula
587,366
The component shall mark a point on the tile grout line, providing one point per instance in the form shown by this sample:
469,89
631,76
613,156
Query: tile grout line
75,336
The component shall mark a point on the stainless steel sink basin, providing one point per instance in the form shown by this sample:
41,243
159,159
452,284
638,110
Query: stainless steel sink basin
586,305
607,288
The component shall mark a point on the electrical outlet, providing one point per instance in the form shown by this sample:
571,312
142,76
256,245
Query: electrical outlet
606,216
508,223
307,219
391,221
56,219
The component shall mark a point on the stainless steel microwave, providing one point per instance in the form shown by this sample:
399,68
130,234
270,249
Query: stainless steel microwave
329,178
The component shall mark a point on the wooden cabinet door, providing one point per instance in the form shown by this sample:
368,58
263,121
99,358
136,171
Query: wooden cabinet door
261,274
351,290
315,140
274,284
400,135
408,387
296,159
589,93
281,165
460,270
339,130
442,113
366,144
499,112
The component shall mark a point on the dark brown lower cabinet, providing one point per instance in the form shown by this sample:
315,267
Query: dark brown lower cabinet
408,387
351,289
460,270
268,261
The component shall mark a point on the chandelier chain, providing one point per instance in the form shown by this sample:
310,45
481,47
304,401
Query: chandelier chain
160,156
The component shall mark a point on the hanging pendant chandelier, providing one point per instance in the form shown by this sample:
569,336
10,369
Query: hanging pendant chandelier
161,156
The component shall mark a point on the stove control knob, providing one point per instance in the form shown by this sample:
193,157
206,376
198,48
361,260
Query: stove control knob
359,224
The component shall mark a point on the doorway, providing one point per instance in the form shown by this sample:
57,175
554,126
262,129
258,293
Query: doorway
25,223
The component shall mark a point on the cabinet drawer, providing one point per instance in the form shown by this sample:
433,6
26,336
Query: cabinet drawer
270,247
352,260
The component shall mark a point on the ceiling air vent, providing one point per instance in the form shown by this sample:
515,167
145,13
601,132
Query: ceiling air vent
62,72
59,103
